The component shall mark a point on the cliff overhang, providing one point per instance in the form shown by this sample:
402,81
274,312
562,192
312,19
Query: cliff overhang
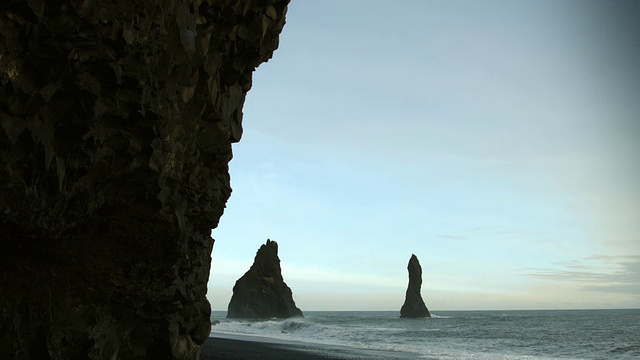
117,119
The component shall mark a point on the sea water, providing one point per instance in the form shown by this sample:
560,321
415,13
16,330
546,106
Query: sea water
541,334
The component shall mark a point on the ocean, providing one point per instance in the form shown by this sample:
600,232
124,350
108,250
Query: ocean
540,334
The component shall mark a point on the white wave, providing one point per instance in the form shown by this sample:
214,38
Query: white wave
440,316
293,329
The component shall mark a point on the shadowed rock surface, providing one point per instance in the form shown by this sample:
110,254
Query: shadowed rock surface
117,119
413,304
261,292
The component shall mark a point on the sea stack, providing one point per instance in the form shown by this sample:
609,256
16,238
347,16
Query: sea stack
261,292
414,306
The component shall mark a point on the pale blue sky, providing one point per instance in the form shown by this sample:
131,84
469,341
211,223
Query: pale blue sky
496,140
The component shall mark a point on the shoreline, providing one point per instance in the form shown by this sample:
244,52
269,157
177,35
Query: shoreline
232,347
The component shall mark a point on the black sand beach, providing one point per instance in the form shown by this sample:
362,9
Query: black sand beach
219,348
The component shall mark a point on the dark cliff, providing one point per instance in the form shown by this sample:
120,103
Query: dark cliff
117,122
413,304
261,292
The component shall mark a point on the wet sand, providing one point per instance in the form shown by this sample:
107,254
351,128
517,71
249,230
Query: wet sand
225,348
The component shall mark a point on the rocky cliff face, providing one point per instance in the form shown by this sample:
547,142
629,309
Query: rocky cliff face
261,292
413,304
117,119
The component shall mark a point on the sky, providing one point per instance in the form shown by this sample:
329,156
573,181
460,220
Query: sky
498,141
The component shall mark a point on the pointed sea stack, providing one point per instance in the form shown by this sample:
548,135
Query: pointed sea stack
261,292
413,304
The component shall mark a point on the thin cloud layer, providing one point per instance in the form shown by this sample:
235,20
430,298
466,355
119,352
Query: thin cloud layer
616,274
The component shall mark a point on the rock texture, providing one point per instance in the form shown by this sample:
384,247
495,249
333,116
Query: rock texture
117,119
414,306
261,292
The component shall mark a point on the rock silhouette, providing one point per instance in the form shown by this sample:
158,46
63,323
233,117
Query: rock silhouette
116,124
414,306
261,292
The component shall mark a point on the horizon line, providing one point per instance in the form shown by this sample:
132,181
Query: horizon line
536,309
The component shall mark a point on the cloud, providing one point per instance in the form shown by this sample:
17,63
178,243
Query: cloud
613,274
486,232
452,237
